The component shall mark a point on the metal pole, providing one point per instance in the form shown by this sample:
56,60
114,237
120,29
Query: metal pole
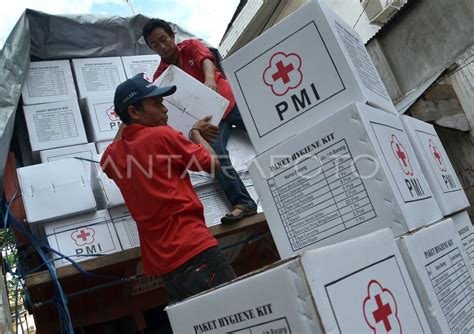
130,4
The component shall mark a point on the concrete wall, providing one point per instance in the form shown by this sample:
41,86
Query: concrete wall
424,38
5,319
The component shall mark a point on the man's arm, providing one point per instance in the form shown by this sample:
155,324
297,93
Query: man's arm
197,138
209,70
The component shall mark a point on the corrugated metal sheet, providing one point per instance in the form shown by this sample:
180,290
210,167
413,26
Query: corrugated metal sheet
251,21
243,28
409,98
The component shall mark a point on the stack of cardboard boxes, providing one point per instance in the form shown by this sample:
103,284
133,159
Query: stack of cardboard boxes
51,108
364,206
70,202
63,197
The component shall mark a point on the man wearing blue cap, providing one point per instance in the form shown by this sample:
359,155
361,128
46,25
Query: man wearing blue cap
149,160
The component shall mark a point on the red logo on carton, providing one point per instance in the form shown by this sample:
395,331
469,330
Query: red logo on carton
83,236
381,310
113,116
283,73
437,156
401,155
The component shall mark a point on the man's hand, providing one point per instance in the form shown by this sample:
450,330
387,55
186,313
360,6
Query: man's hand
208,131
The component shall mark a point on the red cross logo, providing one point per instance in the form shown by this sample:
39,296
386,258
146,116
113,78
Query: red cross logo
381,310
382,313
437,156
113,116
401,155
83,236
283,73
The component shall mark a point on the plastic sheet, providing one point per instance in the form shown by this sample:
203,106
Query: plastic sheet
41,36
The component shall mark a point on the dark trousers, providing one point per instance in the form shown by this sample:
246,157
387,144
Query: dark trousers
204,271
228,178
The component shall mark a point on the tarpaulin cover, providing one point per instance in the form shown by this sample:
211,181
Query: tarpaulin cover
41,36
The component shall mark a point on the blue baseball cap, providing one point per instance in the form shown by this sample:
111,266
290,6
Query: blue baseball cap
136,89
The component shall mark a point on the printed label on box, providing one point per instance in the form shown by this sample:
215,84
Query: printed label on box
452,284
467,237
362,62
106,117
215,203
47,82
281,82
100,76
402,163
146,64
280,325
320,196
55,124
439,162
383,303
93,236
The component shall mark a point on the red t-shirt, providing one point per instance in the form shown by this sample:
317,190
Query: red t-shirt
149,166
191,54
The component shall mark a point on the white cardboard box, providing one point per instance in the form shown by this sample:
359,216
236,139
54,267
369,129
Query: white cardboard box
141,64
214,201
102,145
55,190
441,273
348,175
49,81
463,225
248,182
240,151
125,226
85,151
97,77
82,235
192,101
106,191
300,71
435,164
53,125
101,119
369,290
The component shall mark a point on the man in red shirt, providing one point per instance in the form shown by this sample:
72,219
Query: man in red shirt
194,58
149,160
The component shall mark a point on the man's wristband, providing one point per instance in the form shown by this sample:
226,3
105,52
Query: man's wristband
189,134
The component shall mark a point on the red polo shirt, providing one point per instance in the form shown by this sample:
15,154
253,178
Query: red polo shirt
149,166
191,54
